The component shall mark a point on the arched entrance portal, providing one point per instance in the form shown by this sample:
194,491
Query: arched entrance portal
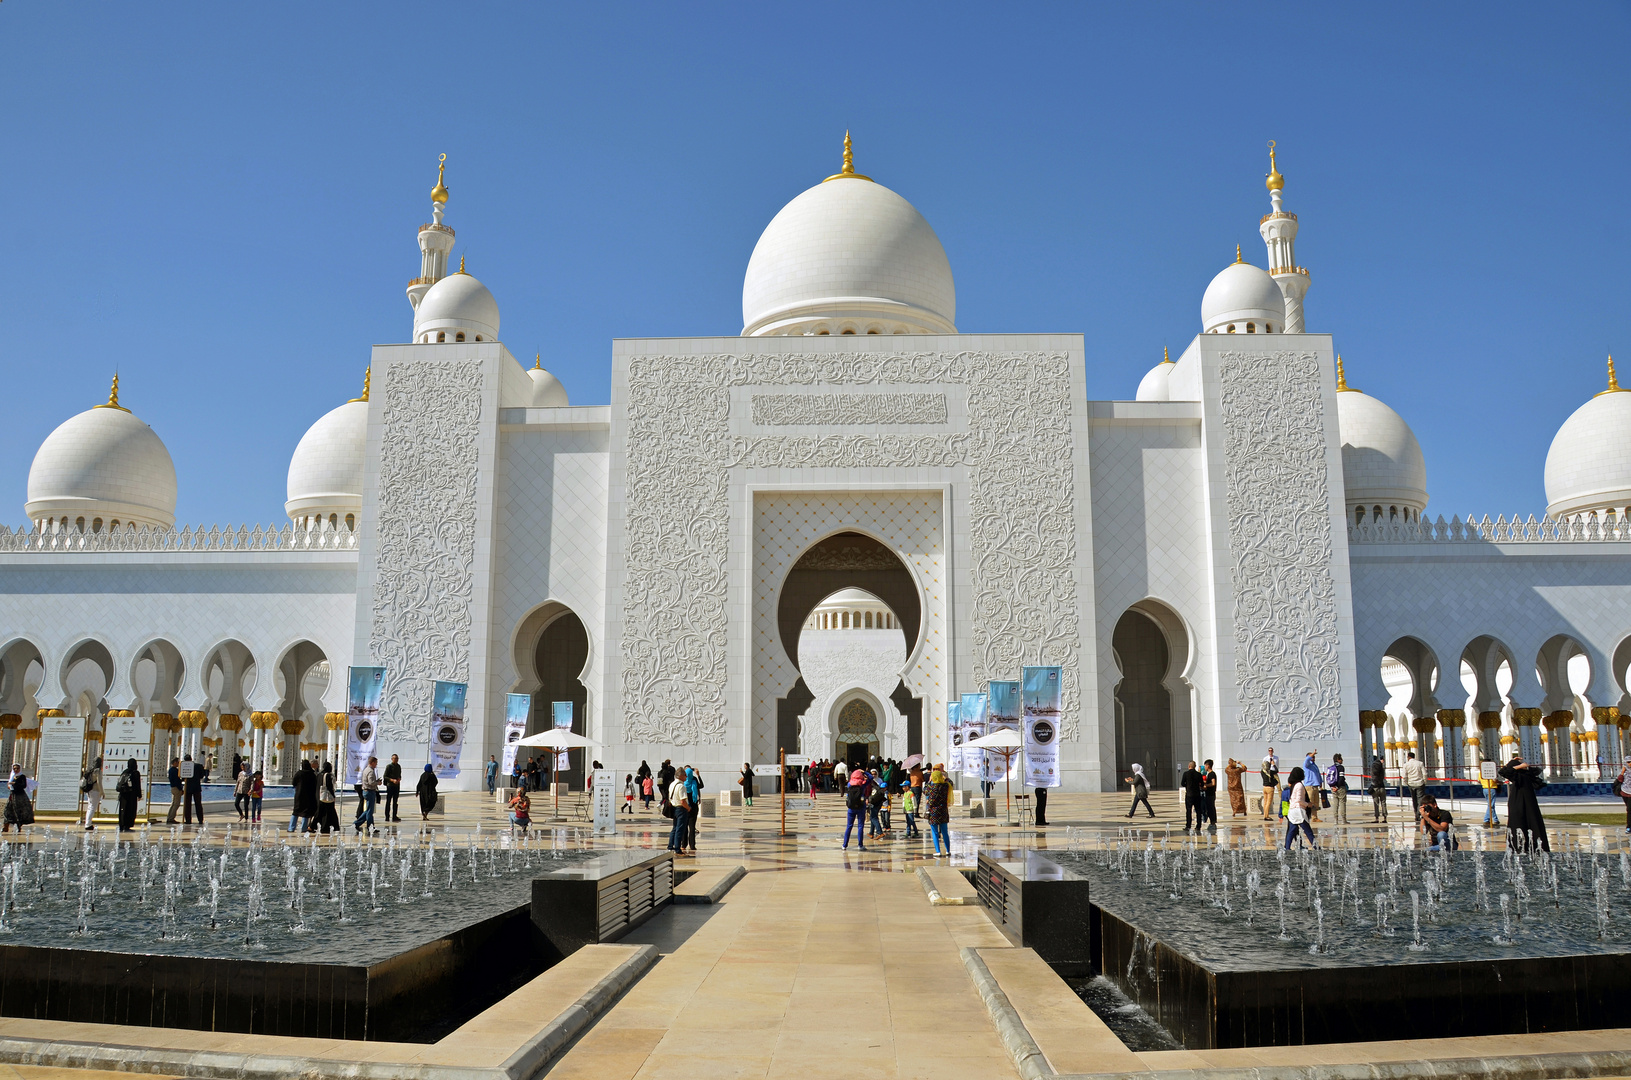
856,726
883,599
1152,699
553,646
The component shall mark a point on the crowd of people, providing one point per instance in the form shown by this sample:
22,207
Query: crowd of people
1298,796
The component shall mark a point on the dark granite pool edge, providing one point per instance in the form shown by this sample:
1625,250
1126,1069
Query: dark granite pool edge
1514,1067
1032,1064
527,1062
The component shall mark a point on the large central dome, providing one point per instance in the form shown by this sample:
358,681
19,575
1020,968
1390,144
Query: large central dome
848,256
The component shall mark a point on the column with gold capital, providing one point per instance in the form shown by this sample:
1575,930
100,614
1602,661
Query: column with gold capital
1527,721
1453,722
1606,719
1561,747
9,723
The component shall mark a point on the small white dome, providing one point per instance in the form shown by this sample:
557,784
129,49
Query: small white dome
103,464
547,391
1382,463
1242,294
1589,464
1153,387
325,473
848,256
456,304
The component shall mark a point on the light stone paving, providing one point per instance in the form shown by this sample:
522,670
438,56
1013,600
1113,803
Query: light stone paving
806,972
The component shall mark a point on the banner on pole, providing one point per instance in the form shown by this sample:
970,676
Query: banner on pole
516,709
1042,691
447,729
62,756
954,738
563,719
972,714
362,718
1004,712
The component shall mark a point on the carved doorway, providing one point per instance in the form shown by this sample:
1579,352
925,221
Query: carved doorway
857,727
809,545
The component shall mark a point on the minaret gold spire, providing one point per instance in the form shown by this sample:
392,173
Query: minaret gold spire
1342,380
848,171
367,377
461,264
438,194
1614,386
113,396
1275,182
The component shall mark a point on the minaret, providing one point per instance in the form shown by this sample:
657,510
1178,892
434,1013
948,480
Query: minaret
1279,230
435,242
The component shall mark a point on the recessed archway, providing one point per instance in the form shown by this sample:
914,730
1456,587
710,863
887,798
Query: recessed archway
1152,648
847,587
552,667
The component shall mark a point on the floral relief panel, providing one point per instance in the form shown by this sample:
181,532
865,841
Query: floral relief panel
1280,544
1019,453
421,619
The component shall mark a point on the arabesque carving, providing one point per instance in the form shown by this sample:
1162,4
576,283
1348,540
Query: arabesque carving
1280,545
427,536
771,410
1020,458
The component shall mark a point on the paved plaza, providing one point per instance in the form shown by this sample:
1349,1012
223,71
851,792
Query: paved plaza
817,962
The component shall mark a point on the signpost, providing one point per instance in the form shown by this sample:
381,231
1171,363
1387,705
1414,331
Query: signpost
605,801
62,757
123,738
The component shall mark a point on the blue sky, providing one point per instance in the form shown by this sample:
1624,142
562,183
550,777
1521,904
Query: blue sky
220,200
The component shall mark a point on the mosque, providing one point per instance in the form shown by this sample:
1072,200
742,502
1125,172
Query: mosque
812,536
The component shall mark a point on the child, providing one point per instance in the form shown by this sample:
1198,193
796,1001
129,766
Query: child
645,791
257,789
521,809
908,806
628,794
240,792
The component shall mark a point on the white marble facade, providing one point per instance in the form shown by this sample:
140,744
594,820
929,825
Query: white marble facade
1029,520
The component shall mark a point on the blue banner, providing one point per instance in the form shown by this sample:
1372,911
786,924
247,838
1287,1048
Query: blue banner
447,729
367,684
972,714
1005,712
1042,692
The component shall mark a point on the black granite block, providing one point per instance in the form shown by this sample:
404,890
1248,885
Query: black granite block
575,906
1039,905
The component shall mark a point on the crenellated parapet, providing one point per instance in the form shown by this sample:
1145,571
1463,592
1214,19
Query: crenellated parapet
1581,529
318,537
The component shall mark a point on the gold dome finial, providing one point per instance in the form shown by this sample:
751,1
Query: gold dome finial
538,362
1238,259
438,194
1166,358
1342,379
461,264
113,396
848,171
367,377
1275,182
1614,386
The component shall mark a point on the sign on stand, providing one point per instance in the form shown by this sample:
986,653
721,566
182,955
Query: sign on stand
605,801
126,737
800,804
800,760
62,757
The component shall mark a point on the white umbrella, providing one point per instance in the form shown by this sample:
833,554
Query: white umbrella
1004,741
557,739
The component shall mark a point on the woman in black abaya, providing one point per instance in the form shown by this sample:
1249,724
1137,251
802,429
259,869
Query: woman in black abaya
1525,828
